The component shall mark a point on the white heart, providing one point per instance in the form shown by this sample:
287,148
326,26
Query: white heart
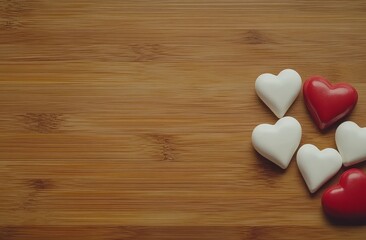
351,143
279,92
278,142
316,166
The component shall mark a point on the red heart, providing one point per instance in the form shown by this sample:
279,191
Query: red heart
326,102
347,200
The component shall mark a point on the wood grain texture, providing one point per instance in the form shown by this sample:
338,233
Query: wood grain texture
132,119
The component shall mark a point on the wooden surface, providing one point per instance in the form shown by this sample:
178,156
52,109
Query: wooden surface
132,119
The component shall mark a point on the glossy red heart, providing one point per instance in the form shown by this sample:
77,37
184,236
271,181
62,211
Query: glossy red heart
347,199
326,102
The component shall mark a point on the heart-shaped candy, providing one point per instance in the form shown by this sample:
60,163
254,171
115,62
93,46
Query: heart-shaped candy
351,143
347,200
278,142
316,166
279,92
328,103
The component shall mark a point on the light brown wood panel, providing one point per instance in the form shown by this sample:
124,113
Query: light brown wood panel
132,119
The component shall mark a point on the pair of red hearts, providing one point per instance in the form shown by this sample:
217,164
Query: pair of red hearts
327,104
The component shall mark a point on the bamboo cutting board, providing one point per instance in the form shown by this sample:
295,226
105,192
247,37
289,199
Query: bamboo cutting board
132,119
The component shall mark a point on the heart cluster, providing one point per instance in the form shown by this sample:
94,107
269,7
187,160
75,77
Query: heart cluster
327,104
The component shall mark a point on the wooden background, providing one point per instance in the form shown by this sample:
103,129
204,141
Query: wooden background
132,119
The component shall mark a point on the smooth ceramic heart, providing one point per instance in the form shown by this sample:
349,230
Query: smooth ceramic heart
278,142
316,166
279,92
347,200
326,102
351,143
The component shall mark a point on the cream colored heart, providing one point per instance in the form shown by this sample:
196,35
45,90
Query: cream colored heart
279,92
316,166
278,142
351,143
